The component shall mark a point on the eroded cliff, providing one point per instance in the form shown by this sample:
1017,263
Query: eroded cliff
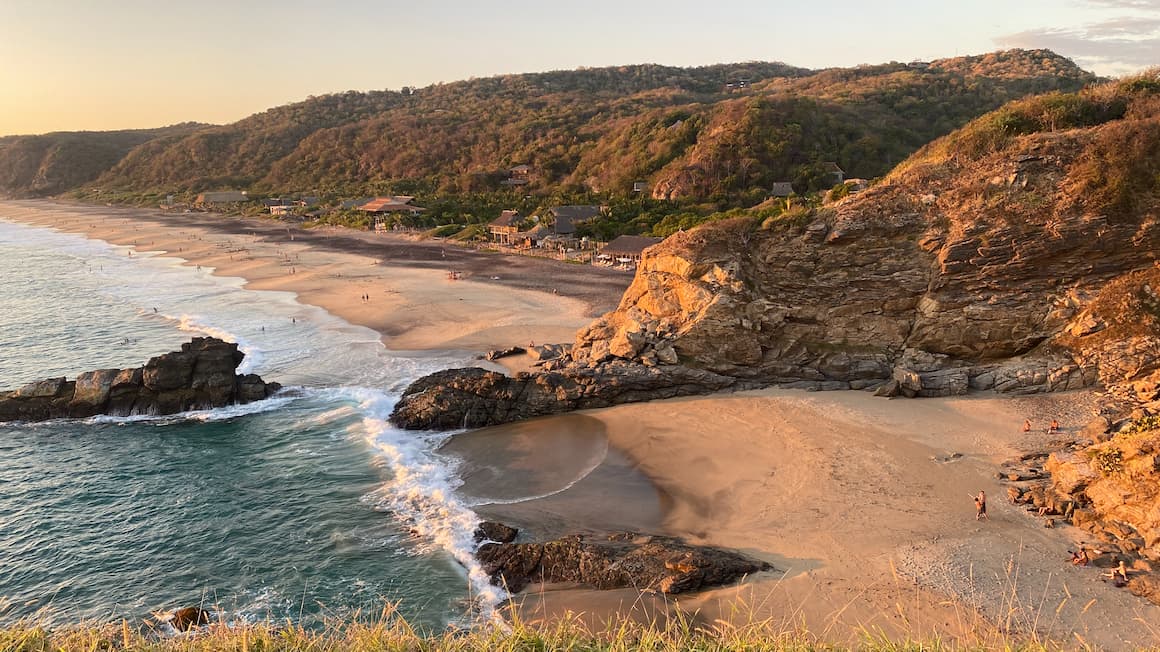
1001,268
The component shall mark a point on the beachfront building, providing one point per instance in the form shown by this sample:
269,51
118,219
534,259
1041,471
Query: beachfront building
383,208
504,229
625,251
566,218
222,197
531,238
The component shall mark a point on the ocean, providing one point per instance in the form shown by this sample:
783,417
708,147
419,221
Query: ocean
307,506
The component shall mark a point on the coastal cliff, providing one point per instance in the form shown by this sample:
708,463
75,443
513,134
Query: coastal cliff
1016,254
199,376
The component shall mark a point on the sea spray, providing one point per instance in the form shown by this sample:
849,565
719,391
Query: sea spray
422,493
258,508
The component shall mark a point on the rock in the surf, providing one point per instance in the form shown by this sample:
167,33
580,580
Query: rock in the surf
622,560
187,618
199,376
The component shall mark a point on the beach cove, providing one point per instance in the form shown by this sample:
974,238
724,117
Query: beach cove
860,503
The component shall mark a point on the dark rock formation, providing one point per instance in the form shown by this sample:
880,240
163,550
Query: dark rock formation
623,560
497,532
187,618
199,376
503,353
474,398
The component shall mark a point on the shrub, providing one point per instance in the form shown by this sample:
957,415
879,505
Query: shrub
1143,424
1108,461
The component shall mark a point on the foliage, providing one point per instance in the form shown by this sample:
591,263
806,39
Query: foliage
691,134
1143,424
37,166
1054,111
1119,171
1108,460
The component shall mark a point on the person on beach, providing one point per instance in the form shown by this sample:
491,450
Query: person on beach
1027,425
981,506
1119,574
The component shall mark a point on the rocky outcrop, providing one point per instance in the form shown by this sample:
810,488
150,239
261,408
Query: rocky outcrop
1017,262
187,618
474,398
199,376
1108,486
624,560
916,287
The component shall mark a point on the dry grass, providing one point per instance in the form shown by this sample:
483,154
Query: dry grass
390,633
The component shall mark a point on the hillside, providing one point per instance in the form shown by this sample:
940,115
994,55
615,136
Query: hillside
723,133
1016,253
38,166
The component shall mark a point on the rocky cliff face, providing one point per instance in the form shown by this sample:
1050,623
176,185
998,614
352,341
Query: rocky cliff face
1017,254
199,376
990,274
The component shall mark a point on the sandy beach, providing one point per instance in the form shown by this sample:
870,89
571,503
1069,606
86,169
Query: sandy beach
862,504
496,301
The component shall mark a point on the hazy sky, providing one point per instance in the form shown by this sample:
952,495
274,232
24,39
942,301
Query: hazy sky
113,64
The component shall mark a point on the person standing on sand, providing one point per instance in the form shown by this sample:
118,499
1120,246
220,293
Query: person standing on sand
981,506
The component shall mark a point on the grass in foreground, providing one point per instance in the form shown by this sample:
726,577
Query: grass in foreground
390,633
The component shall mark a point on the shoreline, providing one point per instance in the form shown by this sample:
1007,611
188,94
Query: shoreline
497,301
863,505
859,502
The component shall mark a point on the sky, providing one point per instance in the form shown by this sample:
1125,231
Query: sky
69,65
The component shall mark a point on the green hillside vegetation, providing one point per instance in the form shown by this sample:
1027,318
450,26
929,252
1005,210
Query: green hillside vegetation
702,141
38,166
1114,165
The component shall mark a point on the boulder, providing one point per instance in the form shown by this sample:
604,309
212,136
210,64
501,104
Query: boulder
625,560
495,532
187,618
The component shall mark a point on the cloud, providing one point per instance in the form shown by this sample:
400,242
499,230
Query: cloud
1115,46
1145,5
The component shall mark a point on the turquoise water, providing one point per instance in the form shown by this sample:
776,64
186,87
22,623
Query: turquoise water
304,506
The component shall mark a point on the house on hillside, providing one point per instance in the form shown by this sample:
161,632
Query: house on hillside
836,174
568,216
781,189
625,250
504,228
520,175
222,197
